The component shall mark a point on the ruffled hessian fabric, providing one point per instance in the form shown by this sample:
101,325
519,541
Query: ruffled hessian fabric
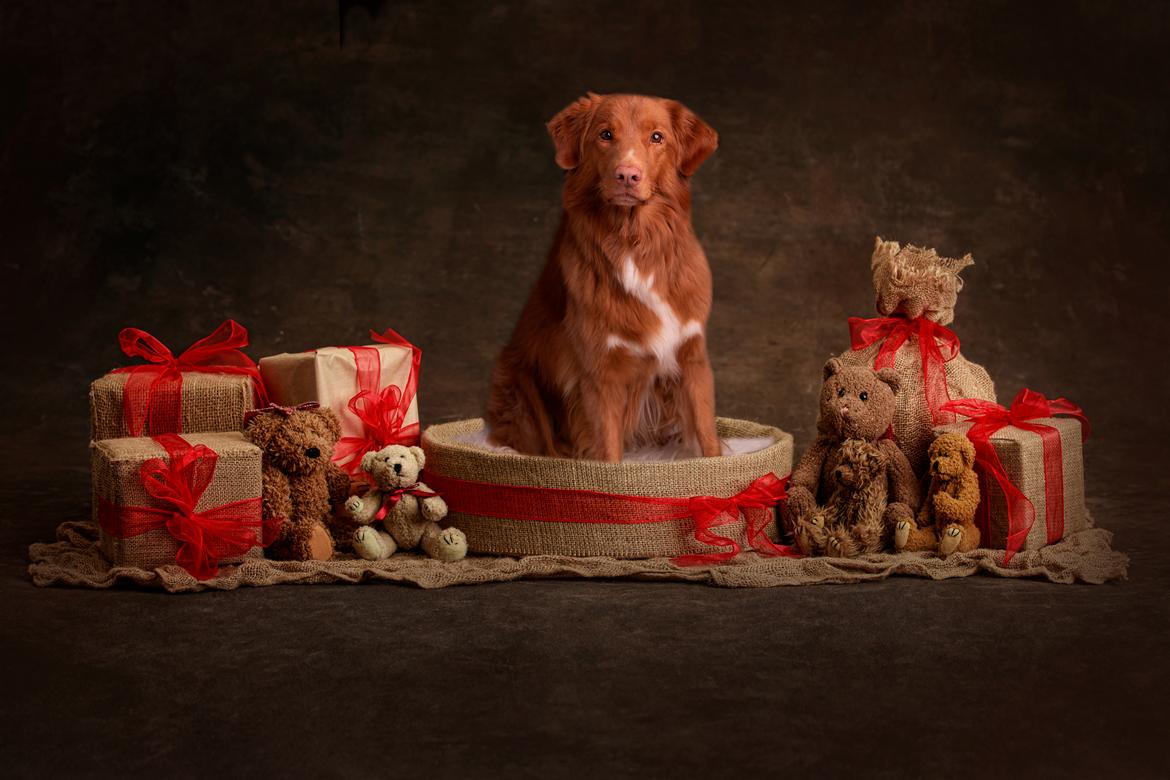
75,559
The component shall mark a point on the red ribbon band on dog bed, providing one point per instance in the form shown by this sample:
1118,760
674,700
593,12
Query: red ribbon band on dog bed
559,505
154,390
382,412
987,418
893,333
204,537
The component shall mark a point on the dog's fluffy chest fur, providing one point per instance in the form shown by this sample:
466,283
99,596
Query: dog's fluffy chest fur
662,341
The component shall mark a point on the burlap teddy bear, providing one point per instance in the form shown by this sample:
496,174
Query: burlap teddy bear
301,484
946,521
853,520
856,403
408,510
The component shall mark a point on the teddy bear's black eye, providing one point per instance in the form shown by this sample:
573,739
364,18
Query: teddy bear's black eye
864,396
841,392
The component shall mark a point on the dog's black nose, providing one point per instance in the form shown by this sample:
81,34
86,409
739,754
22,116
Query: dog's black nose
312,452
397,468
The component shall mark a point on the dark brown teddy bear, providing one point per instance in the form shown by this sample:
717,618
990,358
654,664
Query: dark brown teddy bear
856,403
853,521
302,485
946,521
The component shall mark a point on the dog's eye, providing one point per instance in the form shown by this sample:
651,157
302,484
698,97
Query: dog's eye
864,396
841,392
656,137
606,135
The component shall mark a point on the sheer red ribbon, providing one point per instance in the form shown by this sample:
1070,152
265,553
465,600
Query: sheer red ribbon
154,390
987,418
933,339
391,499
381,412
558,505
176,486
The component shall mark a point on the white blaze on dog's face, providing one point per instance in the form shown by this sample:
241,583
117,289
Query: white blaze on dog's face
630,148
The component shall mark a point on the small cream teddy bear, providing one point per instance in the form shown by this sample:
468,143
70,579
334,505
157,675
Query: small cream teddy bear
409,510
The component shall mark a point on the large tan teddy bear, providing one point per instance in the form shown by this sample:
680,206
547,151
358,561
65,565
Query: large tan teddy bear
408,511
857,403
946,521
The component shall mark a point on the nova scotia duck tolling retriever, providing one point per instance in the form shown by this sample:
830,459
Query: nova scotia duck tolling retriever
610,350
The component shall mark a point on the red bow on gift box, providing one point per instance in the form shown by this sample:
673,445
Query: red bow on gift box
893,332
559,505
986,418
177,483
382,412
154,390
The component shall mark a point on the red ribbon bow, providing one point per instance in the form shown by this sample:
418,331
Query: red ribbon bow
558,505
382,412
284,411
932,338
204,537
391,499
988,417
154,391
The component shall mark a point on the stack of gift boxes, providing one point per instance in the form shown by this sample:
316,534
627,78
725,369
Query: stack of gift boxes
175,480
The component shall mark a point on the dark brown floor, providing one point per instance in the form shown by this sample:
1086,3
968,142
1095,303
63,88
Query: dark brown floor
168,165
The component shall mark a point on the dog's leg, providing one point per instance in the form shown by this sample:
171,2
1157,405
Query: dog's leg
698,390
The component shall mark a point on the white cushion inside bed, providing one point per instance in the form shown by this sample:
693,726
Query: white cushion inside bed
731,446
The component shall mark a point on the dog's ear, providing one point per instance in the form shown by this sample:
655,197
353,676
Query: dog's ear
568,128
696,139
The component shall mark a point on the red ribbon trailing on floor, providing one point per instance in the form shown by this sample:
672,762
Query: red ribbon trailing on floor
987,418
558,505
176,484
154,391
893,332
382,412
391,499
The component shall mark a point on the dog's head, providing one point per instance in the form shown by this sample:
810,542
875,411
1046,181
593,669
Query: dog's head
627,150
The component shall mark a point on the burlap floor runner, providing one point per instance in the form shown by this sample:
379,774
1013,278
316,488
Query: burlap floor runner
75,559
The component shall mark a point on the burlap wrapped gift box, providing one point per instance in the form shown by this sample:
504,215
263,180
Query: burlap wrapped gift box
1022,455
330,376
118,484
207,402
454,451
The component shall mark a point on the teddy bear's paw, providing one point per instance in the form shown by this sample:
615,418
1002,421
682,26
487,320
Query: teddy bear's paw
840,545
818,519
901,534
373,545
448,545
833,548
353,506
951,537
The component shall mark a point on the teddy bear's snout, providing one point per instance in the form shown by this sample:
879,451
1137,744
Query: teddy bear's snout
313,452
397,468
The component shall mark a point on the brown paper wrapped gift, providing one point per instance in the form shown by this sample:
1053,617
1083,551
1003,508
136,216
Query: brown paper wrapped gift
1022,454
148,493
385,375
207,402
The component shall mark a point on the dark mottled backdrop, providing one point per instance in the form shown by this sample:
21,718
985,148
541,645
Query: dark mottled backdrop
171,164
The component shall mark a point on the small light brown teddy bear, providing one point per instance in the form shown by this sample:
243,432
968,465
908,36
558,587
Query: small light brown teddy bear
301,484
856,403
409,511
853,521
946,521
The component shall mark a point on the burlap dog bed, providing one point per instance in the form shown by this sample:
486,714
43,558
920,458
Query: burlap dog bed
513,504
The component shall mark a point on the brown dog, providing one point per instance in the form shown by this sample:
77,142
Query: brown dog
610,350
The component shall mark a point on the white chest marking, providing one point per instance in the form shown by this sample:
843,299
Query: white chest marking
671,334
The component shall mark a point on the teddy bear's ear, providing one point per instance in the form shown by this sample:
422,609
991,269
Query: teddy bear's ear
261,429
368,461
968,450
327,414
833,366
891,378
419,455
